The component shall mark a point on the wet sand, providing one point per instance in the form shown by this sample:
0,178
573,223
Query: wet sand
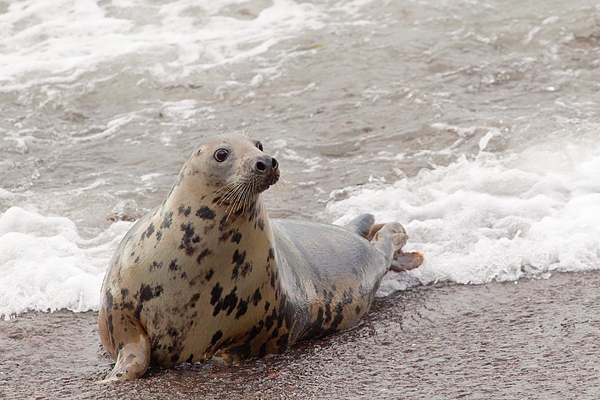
535,339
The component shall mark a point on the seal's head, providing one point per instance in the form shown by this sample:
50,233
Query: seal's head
231,170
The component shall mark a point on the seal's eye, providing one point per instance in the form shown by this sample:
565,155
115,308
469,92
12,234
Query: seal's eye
259,145
221,155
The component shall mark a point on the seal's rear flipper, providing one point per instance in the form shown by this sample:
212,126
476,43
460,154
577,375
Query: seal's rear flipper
389,240
362,225
132,361
406,261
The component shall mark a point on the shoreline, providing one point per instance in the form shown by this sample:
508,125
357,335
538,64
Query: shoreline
534,338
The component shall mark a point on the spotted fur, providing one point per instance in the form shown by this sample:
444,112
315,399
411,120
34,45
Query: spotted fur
207,273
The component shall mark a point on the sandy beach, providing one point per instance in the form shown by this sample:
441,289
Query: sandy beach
533,339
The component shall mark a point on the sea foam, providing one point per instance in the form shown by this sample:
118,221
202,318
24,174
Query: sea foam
494,217
45,264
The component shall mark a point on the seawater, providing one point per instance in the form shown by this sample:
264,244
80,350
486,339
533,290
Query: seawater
475,124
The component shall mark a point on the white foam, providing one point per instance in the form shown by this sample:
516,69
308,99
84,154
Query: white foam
493,218
46,265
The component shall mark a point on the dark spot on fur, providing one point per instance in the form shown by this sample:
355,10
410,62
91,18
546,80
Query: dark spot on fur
172,332
185,210
274,334
225,236
188,229
175,358
216,292
347,297
236,237
183,275
229,302
319,320
242,351
181,177
256,297
263,350
189,237
289,313
215,338
256,329
261,224
267,306
283,342
167,221
217,308
327,299
205,213
155,265
246,269
270,321
271,254
241,309
137,259
111,327
202,255
109,300
128,305
124,292
339,317
238,258
209,274
229,220
357,310
255,211
280,315
148,231
190,359
158,236
173,266
193,300
328,314
147,293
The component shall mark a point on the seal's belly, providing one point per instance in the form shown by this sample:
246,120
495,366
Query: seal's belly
328,272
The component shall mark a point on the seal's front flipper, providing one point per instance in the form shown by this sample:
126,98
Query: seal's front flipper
362,225
132,361
406,261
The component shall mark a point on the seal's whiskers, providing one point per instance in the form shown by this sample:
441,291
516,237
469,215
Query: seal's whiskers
282,188
239,194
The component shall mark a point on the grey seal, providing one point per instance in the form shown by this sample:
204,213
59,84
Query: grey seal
208,274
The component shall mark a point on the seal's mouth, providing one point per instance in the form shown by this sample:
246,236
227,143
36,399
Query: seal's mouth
264,186
269,180
241,194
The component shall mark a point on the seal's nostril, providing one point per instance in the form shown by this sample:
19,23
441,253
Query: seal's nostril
274,163
261,166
